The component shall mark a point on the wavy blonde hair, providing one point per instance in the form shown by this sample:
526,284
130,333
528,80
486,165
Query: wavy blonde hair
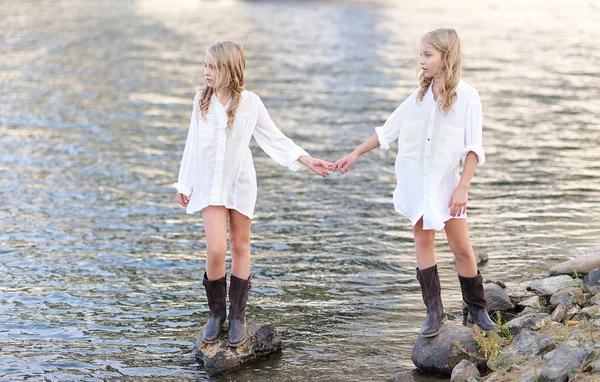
447,76
229,60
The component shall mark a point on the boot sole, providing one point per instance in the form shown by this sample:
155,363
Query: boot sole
429,335
238,343
211,341
471,324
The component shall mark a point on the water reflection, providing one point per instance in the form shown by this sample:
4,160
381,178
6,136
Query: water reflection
101,268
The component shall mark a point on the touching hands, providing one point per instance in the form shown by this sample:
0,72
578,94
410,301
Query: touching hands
458,201
318,166
343,165
183,200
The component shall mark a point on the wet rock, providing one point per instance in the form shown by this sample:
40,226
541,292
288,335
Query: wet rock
526,345
559,314
582,264
496,298
532,302
464,372
591,281
527,322
479,257
568,297
564,360
497,282
550,285
439,355
219,356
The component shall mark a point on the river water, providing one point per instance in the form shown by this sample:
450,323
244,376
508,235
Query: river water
101,270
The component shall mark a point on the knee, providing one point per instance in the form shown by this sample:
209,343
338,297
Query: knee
463,250
424,239
216,254
240,246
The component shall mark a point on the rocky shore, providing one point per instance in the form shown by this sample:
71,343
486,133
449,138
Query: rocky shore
549,332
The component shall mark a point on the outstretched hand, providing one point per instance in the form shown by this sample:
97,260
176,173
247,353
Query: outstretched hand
343,165
318,166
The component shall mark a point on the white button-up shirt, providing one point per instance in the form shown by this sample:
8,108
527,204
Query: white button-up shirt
431,145
217,167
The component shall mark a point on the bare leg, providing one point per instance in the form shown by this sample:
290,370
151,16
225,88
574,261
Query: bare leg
457,232
424,245
215,228
239,239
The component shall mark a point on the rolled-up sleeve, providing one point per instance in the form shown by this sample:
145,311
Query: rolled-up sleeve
474,132
279,147
391,128
189,162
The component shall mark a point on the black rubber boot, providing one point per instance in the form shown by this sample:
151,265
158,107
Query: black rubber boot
238,295
473,296
216,291
431,291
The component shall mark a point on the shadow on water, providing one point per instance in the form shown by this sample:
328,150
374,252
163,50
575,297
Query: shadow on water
101,269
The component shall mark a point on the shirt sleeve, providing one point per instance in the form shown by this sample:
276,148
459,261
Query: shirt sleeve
474,132
279,147
391,128
189,162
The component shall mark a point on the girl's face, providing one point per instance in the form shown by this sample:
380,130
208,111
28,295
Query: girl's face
430,61
210,72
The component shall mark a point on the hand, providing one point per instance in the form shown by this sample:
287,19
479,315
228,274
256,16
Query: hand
318,166
343,165
458,201
183,200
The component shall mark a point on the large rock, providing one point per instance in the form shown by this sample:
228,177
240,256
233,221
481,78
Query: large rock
219,356
465,371
591,281
526,345
527,322
560,313
568,297
496,298
581,264
439,355
564,360
550,285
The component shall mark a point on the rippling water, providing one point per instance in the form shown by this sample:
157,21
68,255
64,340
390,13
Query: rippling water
101,270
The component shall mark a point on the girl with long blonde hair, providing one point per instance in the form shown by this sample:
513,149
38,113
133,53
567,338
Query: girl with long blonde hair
217,177
437,127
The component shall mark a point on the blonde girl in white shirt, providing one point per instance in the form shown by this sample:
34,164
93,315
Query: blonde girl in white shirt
217,177
437,127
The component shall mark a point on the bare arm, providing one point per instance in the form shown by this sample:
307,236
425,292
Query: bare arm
343,165
458,200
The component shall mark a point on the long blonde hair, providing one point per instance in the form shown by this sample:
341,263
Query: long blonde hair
447,77
229,60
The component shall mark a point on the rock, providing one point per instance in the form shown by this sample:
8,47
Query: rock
594,300
526,345
496,298
559,314
497,282
527,322
528,310
582,264
464,371
563,361
591,281
572,312
587,313
568,297
530,376
532,302
550,285
439,355
219,356
479,257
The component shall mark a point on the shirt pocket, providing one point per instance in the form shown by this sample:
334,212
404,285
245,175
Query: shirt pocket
450,145
409,140
206,128
239,125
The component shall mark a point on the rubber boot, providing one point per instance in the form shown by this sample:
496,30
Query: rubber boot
238,295
431,292
216,292
473,296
